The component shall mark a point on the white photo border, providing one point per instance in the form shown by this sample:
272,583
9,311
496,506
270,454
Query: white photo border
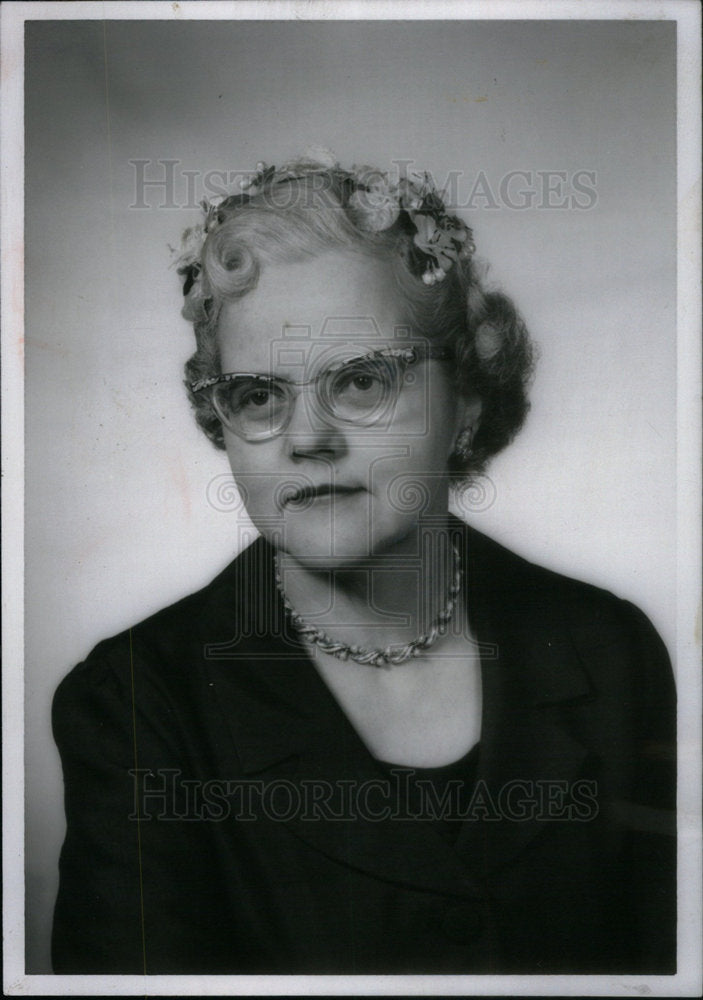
688,981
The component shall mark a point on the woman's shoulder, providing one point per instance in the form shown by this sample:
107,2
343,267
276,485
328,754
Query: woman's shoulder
547,610
504,573
166,647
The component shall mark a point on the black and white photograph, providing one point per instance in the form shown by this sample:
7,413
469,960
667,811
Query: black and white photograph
351,429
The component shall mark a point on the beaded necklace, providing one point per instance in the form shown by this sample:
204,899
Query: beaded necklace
377,657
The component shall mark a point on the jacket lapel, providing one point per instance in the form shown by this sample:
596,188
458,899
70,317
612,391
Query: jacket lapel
285,724
531,676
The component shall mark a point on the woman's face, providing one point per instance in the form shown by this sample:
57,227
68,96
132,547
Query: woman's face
363,486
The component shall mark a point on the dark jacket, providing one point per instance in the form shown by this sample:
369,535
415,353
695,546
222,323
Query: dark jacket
224,816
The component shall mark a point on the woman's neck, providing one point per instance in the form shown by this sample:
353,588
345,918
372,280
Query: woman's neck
389,598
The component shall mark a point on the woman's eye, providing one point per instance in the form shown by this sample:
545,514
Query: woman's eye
363,382
258,398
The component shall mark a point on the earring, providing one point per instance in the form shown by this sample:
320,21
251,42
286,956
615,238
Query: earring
463,444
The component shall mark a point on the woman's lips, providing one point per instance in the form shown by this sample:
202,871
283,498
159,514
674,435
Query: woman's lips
324,493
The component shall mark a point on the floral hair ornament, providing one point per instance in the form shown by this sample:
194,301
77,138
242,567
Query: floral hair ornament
371,201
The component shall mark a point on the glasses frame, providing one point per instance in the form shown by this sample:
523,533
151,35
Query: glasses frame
409,355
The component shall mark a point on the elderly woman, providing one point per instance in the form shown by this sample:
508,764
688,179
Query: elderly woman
377,742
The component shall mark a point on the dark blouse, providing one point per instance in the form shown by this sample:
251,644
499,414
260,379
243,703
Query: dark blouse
438,795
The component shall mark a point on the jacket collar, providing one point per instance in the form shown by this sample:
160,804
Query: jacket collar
284,721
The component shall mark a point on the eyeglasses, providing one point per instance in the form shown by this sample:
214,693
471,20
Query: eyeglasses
361,391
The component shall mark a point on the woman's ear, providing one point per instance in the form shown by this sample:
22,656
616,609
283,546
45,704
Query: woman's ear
468,416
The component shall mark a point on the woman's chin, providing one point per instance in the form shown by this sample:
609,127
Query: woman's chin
317,543
320,550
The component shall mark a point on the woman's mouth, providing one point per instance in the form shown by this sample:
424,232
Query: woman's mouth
306,496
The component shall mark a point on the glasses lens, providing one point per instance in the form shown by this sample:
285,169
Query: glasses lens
363,390
252,407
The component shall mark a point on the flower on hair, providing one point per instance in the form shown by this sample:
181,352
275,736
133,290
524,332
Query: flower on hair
488,341
319,156
315,159
437,242
373,210
187,263
373,204
260,179
370,178
442,238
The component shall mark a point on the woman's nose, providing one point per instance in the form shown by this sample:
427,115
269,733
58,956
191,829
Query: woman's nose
312,433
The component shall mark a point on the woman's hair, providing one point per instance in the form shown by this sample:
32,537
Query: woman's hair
310,213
